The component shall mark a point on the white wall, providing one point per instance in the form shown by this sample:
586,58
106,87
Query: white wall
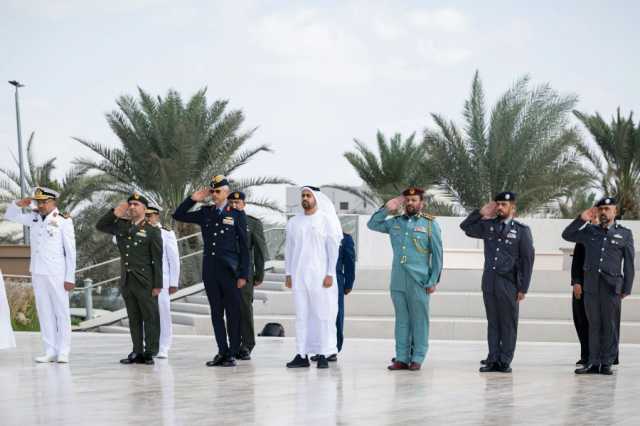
462,252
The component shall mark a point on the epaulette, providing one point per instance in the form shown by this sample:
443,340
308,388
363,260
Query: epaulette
517,222
166,228
66,215
427,216
252,217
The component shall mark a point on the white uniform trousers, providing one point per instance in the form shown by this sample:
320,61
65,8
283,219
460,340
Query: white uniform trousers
7,339
166,332
52,304
316,311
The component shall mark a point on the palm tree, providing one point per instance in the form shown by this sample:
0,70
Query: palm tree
525,145
74,188
614,158
575,204
398,164
169,149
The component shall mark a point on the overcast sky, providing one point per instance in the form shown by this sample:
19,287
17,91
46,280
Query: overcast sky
310,75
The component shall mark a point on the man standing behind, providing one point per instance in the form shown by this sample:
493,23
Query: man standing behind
417,263
608,278
140,246
508,264
225,263
311,254
170,278
53,269
257,255
577,303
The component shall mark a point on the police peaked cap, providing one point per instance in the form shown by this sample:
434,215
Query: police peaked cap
136,196
237,195
218,181
413,190
606,201
42,193
505,196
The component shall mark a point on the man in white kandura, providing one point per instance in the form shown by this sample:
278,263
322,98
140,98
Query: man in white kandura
170,278
53,268
311,252
7,339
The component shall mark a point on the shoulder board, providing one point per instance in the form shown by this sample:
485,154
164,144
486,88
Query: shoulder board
66,215
166,228
517,222
427,216
252,217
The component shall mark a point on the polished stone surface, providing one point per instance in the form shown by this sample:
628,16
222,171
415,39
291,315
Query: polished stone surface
94,389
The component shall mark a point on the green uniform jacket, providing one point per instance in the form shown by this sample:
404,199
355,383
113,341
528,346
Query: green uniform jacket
140,249
417,247
257,249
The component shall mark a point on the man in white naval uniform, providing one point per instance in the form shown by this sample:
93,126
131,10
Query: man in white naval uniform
311,254
53,268
170,278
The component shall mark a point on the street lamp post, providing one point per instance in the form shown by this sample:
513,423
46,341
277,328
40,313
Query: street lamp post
23,185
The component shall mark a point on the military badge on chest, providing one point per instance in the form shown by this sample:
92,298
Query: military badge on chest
228,221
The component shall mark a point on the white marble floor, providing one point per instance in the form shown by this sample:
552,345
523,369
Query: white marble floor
95,390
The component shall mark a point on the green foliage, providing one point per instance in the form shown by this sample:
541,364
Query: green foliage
576,203
614,158
169,148
397,164
525,145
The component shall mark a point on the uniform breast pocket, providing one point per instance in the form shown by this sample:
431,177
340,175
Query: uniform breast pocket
421,242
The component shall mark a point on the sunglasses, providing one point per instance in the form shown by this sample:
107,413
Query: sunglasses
215,191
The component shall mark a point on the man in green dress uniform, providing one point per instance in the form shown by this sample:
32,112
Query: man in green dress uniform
140,246
417,263
257,257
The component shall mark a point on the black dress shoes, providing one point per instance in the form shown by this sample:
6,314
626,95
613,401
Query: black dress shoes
227,361
243,355
314,358
133,358
148,359
588,369
606,370
582,361
299,362
483,361
616,361
216,361
502,367
489,367
332,358
322,362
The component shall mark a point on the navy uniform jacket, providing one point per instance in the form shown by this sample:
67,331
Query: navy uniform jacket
346,266
508,254
224,235
609,254
577,265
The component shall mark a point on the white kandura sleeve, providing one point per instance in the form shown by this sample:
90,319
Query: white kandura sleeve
332,247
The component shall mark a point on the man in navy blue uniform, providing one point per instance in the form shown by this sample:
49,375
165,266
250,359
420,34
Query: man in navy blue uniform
608,278
346,275
508,264
225,262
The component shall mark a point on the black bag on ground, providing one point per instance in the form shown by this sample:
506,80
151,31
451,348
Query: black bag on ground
272,329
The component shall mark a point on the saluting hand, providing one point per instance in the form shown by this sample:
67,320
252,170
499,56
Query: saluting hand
121,209
589,214
393,205
24,202
200,195
488,211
